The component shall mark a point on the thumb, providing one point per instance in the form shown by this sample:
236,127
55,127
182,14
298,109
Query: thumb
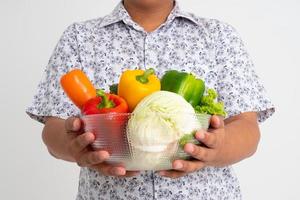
216,122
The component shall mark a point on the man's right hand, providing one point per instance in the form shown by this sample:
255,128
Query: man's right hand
77,145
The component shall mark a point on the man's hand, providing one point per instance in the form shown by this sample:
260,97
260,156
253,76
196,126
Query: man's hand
77,145
219,147
204,155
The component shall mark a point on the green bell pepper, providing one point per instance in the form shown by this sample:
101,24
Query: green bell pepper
184,84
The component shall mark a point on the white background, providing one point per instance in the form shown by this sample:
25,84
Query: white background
29,31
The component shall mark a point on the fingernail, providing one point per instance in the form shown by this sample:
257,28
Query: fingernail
104,155
90,137
189,148
119,172
200,135
178,165
122,171
76,125
217,121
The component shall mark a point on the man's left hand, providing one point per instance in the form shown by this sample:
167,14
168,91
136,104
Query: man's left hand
205,155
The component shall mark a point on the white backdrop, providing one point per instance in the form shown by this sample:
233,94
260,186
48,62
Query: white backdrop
29,30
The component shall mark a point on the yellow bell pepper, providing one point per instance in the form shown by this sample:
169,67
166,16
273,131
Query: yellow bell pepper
134,85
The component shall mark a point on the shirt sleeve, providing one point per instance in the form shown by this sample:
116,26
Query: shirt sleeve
50,99
238,85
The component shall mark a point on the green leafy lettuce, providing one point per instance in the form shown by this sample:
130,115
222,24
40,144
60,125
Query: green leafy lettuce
210,105
188,138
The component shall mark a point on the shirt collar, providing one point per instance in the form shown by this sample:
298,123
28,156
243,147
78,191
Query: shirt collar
121,14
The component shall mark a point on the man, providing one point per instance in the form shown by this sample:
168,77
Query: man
139,34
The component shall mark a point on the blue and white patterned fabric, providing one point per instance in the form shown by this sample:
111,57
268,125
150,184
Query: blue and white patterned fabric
104,47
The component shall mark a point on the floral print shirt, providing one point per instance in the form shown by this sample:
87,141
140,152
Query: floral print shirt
106,46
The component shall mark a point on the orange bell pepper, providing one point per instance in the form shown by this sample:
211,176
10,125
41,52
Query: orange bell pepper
78,87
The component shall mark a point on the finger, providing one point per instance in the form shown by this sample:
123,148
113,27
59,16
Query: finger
216,122
72,124
209,139
92,158
172,174
130,174
81,142
108,170
188,166
199,152
117,171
